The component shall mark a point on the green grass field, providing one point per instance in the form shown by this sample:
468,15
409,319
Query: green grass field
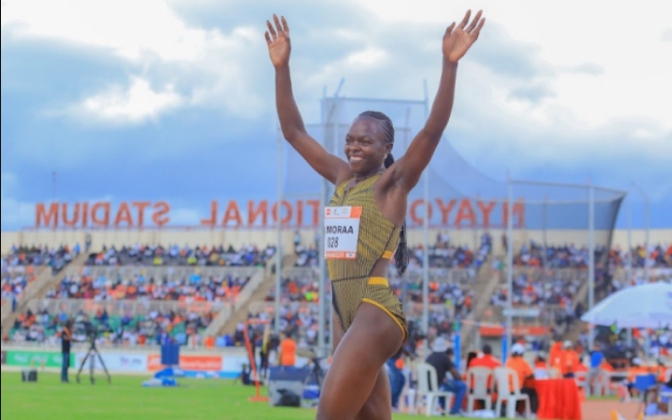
126,399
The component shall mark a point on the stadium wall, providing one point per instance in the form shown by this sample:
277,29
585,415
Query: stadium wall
221,363
263,237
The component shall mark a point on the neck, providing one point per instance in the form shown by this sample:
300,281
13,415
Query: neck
363,176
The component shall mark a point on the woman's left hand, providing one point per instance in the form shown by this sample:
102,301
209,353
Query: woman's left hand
458,40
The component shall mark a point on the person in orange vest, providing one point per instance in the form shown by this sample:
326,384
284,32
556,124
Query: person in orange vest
486,359
287,353
540,368
524,372
569,360
555,355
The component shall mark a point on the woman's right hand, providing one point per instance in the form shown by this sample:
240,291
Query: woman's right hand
277,39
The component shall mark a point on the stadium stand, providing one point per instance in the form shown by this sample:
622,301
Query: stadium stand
659,256
565,256
55,258
173,255
109,283
127,328
23,265
443,254
300,319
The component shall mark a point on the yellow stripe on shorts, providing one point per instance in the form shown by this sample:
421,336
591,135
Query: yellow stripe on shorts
379,281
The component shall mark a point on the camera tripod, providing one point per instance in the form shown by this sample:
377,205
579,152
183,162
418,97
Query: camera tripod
316,373
92,353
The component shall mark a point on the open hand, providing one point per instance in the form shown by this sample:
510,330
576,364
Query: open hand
458,40
277,39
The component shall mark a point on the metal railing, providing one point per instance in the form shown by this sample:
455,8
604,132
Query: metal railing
122,307
170,273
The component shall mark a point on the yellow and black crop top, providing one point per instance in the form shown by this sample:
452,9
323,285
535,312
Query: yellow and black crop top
378,237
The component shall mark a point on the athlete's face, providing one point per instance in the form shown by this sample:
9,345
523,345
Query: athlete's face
366,146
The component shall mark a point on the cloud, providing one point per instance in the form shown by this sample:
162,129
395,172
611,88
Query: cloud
13,212
119,105
586,68
667,35
211,66
192,100
130,29
533,94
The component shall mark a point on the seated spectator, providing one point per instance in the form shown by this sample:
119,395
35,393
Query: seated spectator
441,360
525,373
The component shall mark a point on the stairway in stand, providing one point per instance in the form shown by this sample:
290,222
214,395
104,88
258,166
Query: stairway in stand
487,281
38,289
241,310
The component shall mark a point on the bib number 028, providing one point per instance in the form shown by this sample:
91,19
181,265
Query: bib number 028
341,231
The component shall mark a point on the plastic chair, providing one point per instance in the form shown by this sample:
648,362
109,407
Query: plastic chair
602,384
667,395
505,377
428,387
581,379
644,384
479,376
407,398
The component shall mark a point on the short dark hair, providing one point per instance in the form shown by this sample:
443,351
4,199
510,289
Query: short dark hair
487,349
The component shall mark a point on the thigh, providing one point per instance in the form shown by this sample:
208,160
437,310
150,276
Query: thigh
379,404
372,338
338,332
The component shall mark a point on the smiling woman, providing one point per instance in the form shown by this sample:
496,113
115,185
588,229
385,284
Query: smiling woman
364,226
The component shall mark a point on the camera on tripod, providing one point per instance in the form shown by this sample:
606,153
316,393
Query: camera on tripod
91,332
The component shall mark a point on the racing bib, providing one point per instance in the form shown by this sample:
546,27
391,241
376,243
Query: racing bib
341,231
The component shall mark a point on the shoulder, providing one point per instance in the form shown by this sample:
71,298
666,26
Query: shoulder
387,180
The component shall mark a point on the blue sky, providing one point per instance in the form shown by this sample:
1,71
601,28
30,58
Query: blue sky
174,100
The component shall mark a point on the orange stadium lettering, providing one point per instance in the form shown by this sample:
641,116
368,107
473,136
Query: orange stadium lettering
459,213
99,214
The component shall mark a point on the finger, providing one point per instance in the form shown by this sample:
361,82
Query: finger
449,29
268,37
474,22
271,30
478,28
285,27
277,24
465,20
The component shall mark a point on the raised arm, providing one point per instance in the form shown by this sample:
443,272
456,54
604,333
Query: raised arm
293,129
456,42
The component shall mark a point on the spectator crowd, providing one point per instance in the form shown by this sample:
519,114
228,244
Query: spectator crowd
153,328
173,255
192,288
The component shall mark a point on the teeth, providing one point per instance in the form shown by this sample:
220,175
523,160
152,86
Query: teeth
355,159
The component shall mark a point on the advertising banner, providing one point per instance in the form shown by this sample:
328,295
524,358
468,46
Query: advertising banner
234,363
118,362
36,358
189,363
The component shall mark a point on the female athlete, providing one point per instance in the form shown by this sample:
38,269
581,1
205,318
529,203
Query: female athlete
364,225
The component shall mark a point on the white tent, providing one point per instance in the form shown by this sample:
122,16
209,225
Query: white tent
645,306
